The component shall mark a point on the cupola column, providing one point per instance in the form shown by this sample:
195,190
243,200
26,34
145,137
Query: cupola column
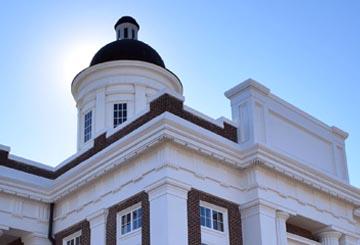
140,98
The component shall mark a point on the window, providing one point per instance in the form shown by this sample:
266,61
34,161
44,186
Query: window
126,33
133,33
120,114
125,223
73,239
211,219
218,221
131,221
87,126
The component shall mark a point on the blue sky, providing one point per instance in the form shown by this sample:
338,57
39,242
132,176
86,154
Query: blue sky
307,52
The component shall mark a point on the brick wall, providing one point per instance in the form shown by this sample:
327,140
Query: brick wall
84,226
194,228
160,105
111,219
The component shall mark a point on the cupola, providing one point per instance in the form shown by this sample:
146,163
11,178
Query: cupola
121,80
127,28
127,46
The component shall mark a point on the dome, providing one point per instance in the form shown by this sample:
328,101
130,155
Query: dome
127,49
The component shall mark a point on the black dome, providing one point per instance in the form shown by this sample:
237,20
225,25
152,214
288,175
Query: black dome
127,49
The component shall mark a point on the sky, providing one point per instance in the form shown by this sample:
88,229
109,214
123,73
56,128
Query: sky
307,52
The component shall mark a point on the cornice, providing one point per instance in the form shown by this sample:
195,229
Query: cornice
171,128
126,64
305,174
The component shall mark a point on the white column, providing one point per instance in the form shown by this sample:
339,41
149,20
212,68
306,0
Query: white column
258,224
348,240
98,227
100,111
329,237
168,212
140,98
35,239
281,233
78,129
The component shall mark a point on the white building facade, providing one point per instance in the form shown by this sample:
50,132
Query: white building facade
151,170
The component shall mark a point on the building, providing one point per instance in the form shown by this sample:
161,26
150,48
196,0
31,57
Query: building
151,170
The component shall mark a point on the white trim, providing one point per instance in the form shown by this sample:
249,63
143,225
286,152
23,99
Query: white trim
180,131
71,237
301,239
211,231
203,116
245,85
5,148
119,224
219,209
146,66
119,102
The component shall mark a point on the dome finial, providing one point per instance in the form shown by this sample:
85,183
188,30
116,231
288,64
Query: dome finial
126,28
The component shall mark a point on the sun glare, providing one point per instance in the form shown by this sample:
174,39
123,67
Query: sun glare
77,57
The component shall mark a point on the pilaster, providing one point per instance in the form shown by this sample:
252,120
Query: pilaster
258,224
168,212
98,227
100,112
140,98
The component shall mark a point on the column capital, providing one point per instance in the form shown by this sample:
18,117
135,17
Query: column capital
282,215
97,218
258,223
329,234
257,206
349,240
167,186
281,218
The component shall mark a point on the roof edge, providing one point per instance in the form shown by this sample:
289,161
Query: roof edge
164,103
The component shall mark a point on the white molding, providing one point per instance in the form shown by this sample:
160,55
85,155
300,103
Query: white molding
249,83
30,162
130,210
98,218
306,174
124,64
5,148
203,116
302,240
167,186
169,92
72,236
223,120
170,127
340,132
